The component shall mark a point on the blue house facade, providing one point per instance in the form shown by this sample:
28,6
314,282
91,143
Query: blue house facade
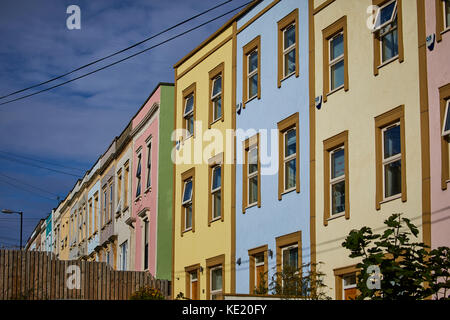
272,142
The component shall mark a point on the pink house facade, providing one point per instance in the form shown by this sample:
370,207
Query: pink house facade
145,185
438,24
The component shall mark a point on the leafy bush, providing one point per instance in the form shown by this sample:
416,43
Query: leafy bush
147,293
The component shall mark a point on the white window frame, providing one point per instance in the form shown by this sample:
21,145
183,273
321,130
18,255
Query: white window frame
289,49
252,73
188,115
105,205
351,286
111,204
215,292
292,246
259,264
187,203
378,16
447,111
335,61
380,28
214,191
119,186
139,178
216,97
334,181
446,26
288,159
253,174
389,160
149,164
124,256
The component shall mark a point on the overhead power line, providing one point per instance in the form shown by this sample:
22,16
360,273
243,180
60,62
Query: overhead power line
117,52
20,188
38,166
29,185
128,57
41,161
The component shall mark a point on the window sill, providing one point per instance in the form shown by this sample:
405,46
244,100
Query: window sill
215,219
187,230
137,199
288,191
125,209
215,121
393,198
251,99
187,138
251,206
336,216
335,90
288,76
388,62
445,31
148,190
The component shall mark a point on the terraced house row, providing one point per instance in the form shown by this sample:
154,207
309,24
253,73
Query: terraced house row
294,123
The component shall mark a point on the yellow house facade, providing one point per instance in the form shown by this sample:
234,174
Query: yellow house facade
204,176
368,107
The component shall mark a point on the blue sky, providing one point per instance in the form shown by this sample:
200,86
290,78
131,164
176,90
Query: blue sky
74,124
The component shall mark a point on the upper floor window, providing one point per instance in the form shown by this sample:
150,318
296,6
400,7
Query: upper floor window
138,176
252,169
446,4
110,202
119,186
390,156
392,161
252,76
189,114
335,57
288,179
187,204
336,63
388,33
387,27
251,187
446,124
337,181
288,55
105,206
149,164
216,98
216,192
251,65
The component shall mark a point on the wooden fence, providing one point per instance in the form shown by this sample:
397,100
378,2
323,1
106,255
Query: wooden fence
40,276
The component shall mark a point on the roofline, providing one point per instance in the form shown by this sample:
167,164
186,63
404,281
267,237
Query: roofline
160,84
218,31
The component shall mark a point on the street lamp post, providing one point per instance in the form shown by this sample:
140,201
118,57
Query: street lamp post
21,222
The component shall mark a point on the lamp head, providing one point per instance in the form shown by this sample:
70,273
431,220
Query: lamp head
7,211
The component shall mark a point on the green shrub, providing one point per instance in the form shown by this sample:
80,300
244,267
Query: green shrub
147,293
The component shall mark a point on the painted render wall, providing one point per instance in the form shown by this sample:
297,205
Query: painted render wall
146,204
439,75
165,184
191,248
355,110
260,226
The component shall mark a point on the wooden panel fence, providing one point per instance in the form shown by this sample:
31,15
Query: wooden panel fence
40,276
